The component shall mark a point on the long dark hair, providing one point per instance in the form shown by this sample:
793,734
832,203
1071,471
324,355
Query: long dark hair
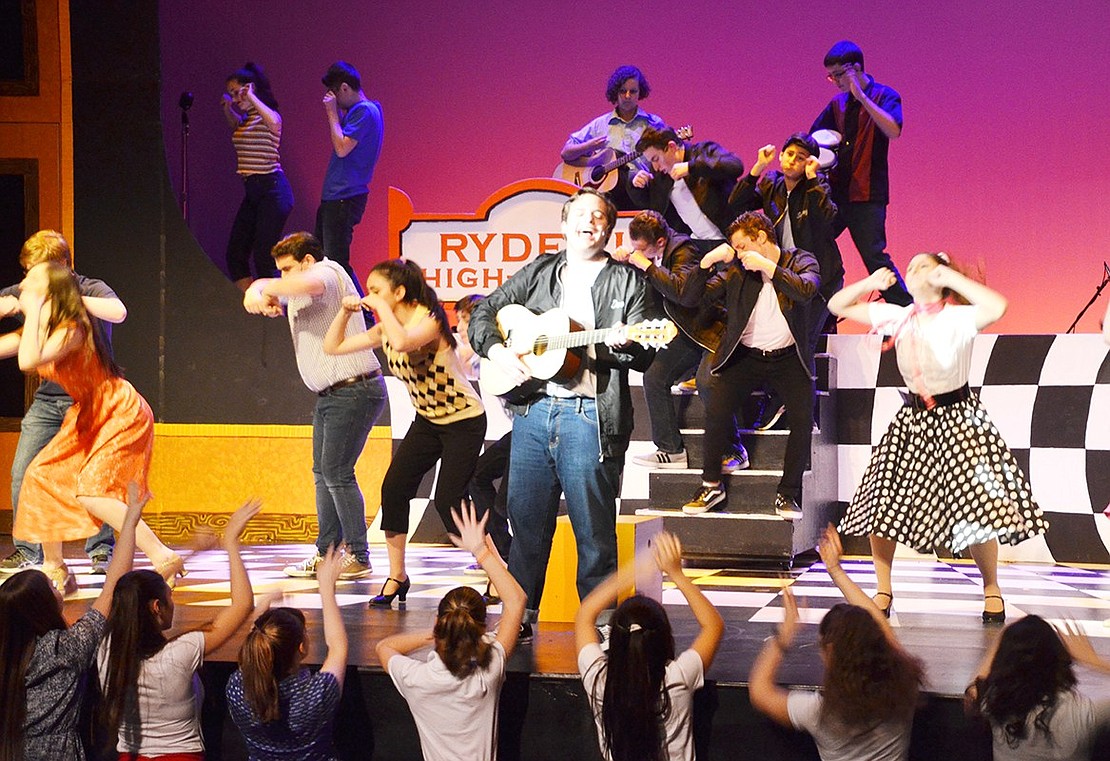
1030,670
66,305
28,610
269,653
868,679
252,73
417,291
635,704
133,634
459,631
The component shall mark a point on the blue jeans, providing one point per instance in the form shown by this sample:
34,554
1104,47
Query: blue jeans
335,227
267,202
41,421
556,450
340,424
671,363
866,222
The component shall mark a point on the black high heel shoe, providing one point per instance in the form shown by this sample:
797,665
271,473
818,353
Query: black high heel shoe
889,603
998,617
386,600
491,598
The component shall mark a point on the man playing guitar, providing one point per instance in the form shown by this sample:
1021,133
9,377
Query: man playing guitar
617,130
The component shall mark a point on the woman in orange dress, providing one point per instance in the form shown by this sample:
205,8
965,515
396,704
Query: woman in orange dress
79,480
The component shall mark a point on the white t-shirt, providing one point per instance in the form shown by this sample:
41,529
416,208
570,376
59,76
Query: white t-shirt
578,301
456,718
934,351
683,676
701,226
767,327
886,742
1074,724
170,698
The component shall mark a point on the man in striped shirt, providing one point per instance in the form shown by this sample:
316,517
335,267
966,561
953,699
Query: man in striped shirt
350,391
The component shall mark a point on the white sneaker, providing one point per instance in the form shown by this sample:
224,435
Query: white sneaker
661,459
306,569
734,461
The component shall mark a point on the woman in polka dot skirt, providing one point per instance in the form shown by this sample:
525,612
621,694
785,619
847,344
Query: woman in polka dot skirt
942,476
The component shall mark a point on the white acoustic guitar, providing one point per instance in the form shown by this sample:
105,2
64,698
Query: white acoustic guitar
546,344
599,171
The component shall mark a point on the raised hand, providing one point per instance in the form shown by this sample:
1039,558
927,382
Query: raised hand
881,279
789,626
238,520
830,548
764,158
328,568
812,167
668,554
472,532
135,505
855,82
641,179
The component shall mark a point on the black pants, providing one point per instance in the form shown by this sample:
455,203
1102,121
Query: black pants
258,225
745,372
489,488
454,445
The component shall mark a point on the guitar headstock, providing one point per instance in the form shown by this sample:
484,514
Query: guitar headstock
652,333
685,132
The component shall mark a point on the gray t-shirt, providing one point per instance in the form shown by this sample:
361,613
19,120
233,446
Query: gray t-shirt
1074,724
886,742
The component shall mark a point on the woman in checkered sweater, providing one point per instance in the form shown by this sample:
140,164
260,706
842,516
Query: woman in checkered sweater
450,424
942,476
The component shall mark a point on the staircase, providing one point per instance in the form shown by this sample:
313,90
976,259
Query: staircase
745,528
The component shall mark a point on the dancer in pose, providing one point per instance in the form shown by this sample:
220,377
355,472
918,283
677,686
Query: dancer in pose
942,476
642,695
864,709
79,480
45,660
252,112
453,693
450,423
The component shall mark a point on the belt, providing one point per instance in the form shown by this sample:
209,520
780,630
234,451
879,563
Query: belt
946,399
771,354
348,382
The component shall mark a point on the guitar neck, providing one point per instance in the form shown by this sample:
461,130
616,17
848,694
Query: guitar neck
618,163
579,338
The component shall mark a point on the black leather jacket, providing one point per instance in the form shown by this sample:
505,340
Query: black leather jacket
796,281
702,321
619,297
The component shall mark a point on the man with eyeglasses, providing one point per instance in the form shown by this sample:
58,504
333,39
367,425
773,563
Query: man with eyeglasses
868,115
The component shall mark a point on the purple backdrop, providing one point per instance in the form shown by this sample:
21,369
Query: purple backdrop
1001,162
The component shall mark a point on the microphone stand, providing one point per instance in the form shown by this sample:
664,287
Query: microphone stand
185,102
1098,292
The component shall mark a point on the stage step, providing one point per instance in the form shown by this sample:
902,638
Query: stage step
745,535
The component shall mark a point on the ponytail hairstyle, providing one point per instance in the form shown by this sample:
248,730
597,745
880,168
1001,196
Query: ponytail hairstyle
459,631
417,291
635,704
868,679
28,610
252,73
66,306
270,653
133,634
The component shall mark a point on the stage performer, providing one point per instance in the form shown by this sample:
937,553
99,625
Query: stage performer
44,417
866,706
569,438
450,423
45,661
689,184
640,694
867,115
664,260
355,127
453,692
766,295
942,476
252,112
350,392
79,480
619,130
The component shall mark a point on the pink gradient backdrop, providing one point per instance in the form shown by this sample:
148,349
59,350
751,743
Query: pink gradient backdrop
1003,159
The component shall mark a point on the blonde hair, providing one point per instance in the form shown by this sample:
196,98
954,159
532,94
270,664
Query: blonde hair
45,246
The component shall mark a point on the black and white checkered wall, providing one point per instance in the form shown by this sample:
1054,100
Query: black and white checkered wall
1050,398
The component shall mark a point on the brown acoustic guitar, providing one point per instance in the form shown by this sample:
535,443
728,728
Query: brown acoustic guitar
599,171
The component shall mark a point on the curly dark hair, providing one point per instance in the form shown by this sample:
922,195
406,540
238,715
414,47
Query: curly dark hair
252,73
620,76
869,680
1030,670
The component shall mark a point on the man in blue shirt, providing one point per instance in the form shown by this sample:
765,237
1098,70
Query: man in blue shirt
355,127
